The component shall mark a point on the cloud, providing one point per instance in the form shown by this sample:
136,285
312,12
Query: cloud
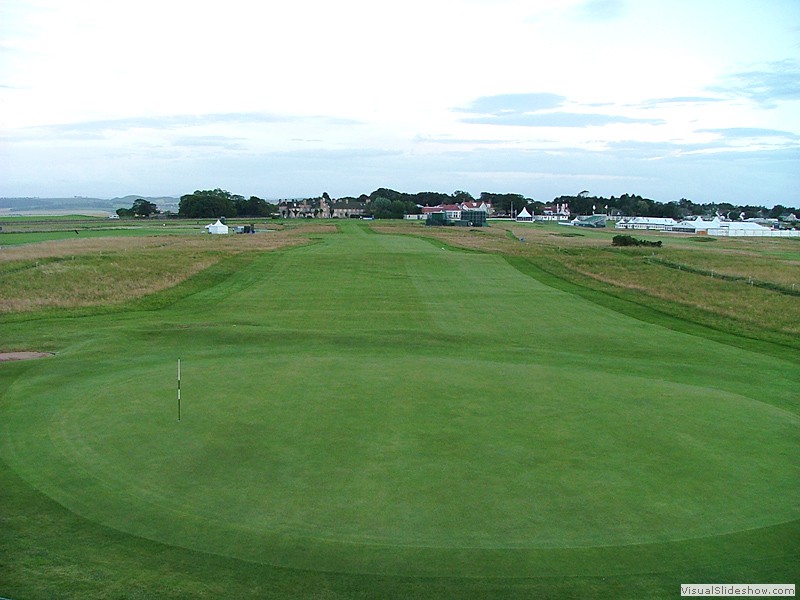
661,102
748,132
101,129
728,143
513,103
601,10
455,141
660,170
536,110
209,141
777,81
558,119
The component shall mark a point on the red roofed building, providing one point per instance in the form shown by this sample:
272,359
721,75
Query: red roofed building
453,211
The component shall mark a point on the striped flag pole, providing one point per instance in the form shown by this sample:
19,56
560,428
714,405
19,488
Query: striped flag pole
179,389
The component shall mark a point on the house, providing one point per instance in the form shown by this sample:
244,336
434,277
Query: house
554,212
321,208
218,228
475,205
299,209
344,209
453,212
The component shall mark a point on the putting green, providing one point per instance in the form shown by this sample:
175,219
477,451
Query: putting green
378,404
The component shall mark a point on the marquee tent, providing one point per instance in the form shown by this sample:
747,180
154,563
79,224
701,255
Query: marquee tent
218,227
524,215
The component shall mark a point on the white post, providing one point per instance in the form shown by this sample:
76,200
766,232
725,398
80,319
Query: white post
179,389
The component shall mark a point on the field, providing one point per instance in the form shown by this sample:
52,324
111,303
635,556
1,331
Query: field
393,411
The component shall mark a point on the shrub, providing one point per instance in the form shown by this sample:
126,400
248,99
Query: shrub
629,240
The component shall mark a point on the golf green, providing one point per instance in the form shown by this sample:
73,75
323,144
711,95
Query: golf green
381,404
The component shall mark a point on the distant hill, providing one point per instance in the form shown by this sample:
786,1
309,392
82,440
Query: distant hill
163,202
79,204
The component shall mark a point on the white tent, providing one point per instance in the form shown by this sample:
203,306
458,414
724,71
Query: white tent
524,215
696,226
218,227
656,223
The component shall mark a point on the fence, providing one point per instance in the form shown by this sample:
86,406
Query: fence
726,232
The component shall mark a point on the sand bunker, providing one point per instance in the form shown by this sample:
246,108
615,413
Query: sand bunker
4,356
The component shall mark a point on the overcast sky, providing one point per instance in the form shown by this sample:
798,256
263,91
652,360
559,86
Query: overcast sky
662,98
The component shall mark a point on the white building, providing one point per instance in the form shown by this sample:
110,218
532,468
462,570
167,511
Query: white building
482,206
698,225
749,229
554,212
654,223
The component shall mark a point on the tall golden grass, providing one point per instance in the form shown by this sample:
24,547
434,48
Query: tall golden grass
99,271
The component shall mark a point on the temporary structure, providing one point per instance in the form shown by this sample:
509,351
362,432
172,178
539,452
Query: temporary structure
524,215
218,227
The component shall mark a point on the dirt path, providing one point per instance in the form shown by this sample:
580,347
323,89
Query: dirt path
4,356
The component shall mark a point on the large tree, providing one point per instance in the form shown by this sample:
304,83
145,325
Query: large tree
254,207
140,208
144,208
207,204
505,203
383,208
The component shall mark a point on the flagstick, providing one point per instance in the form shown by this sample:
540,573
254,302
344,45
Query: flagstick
179,390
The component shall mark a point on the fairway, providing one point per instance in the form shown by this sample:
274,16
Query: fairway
380,404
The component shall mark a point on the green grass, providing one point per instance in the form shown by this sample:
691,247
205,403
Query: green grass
735,285
380,416
14,239
48,218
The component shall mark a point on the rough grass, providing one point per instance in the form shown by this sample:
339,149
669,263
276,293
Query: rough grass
75,273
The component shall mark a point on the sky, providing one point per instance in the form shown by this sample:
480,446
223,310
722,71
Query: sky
696,99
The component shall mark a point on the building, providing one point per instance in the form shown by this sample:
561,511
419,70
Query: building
441,216
698,225
654,223
593,221
701,226
299,209
475,205
452,212
321,208
344,209
554,212
749,229
473,218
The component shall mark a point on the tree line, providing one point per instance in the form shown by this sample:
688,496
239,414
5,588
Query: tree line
386,203
632,205
221,203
